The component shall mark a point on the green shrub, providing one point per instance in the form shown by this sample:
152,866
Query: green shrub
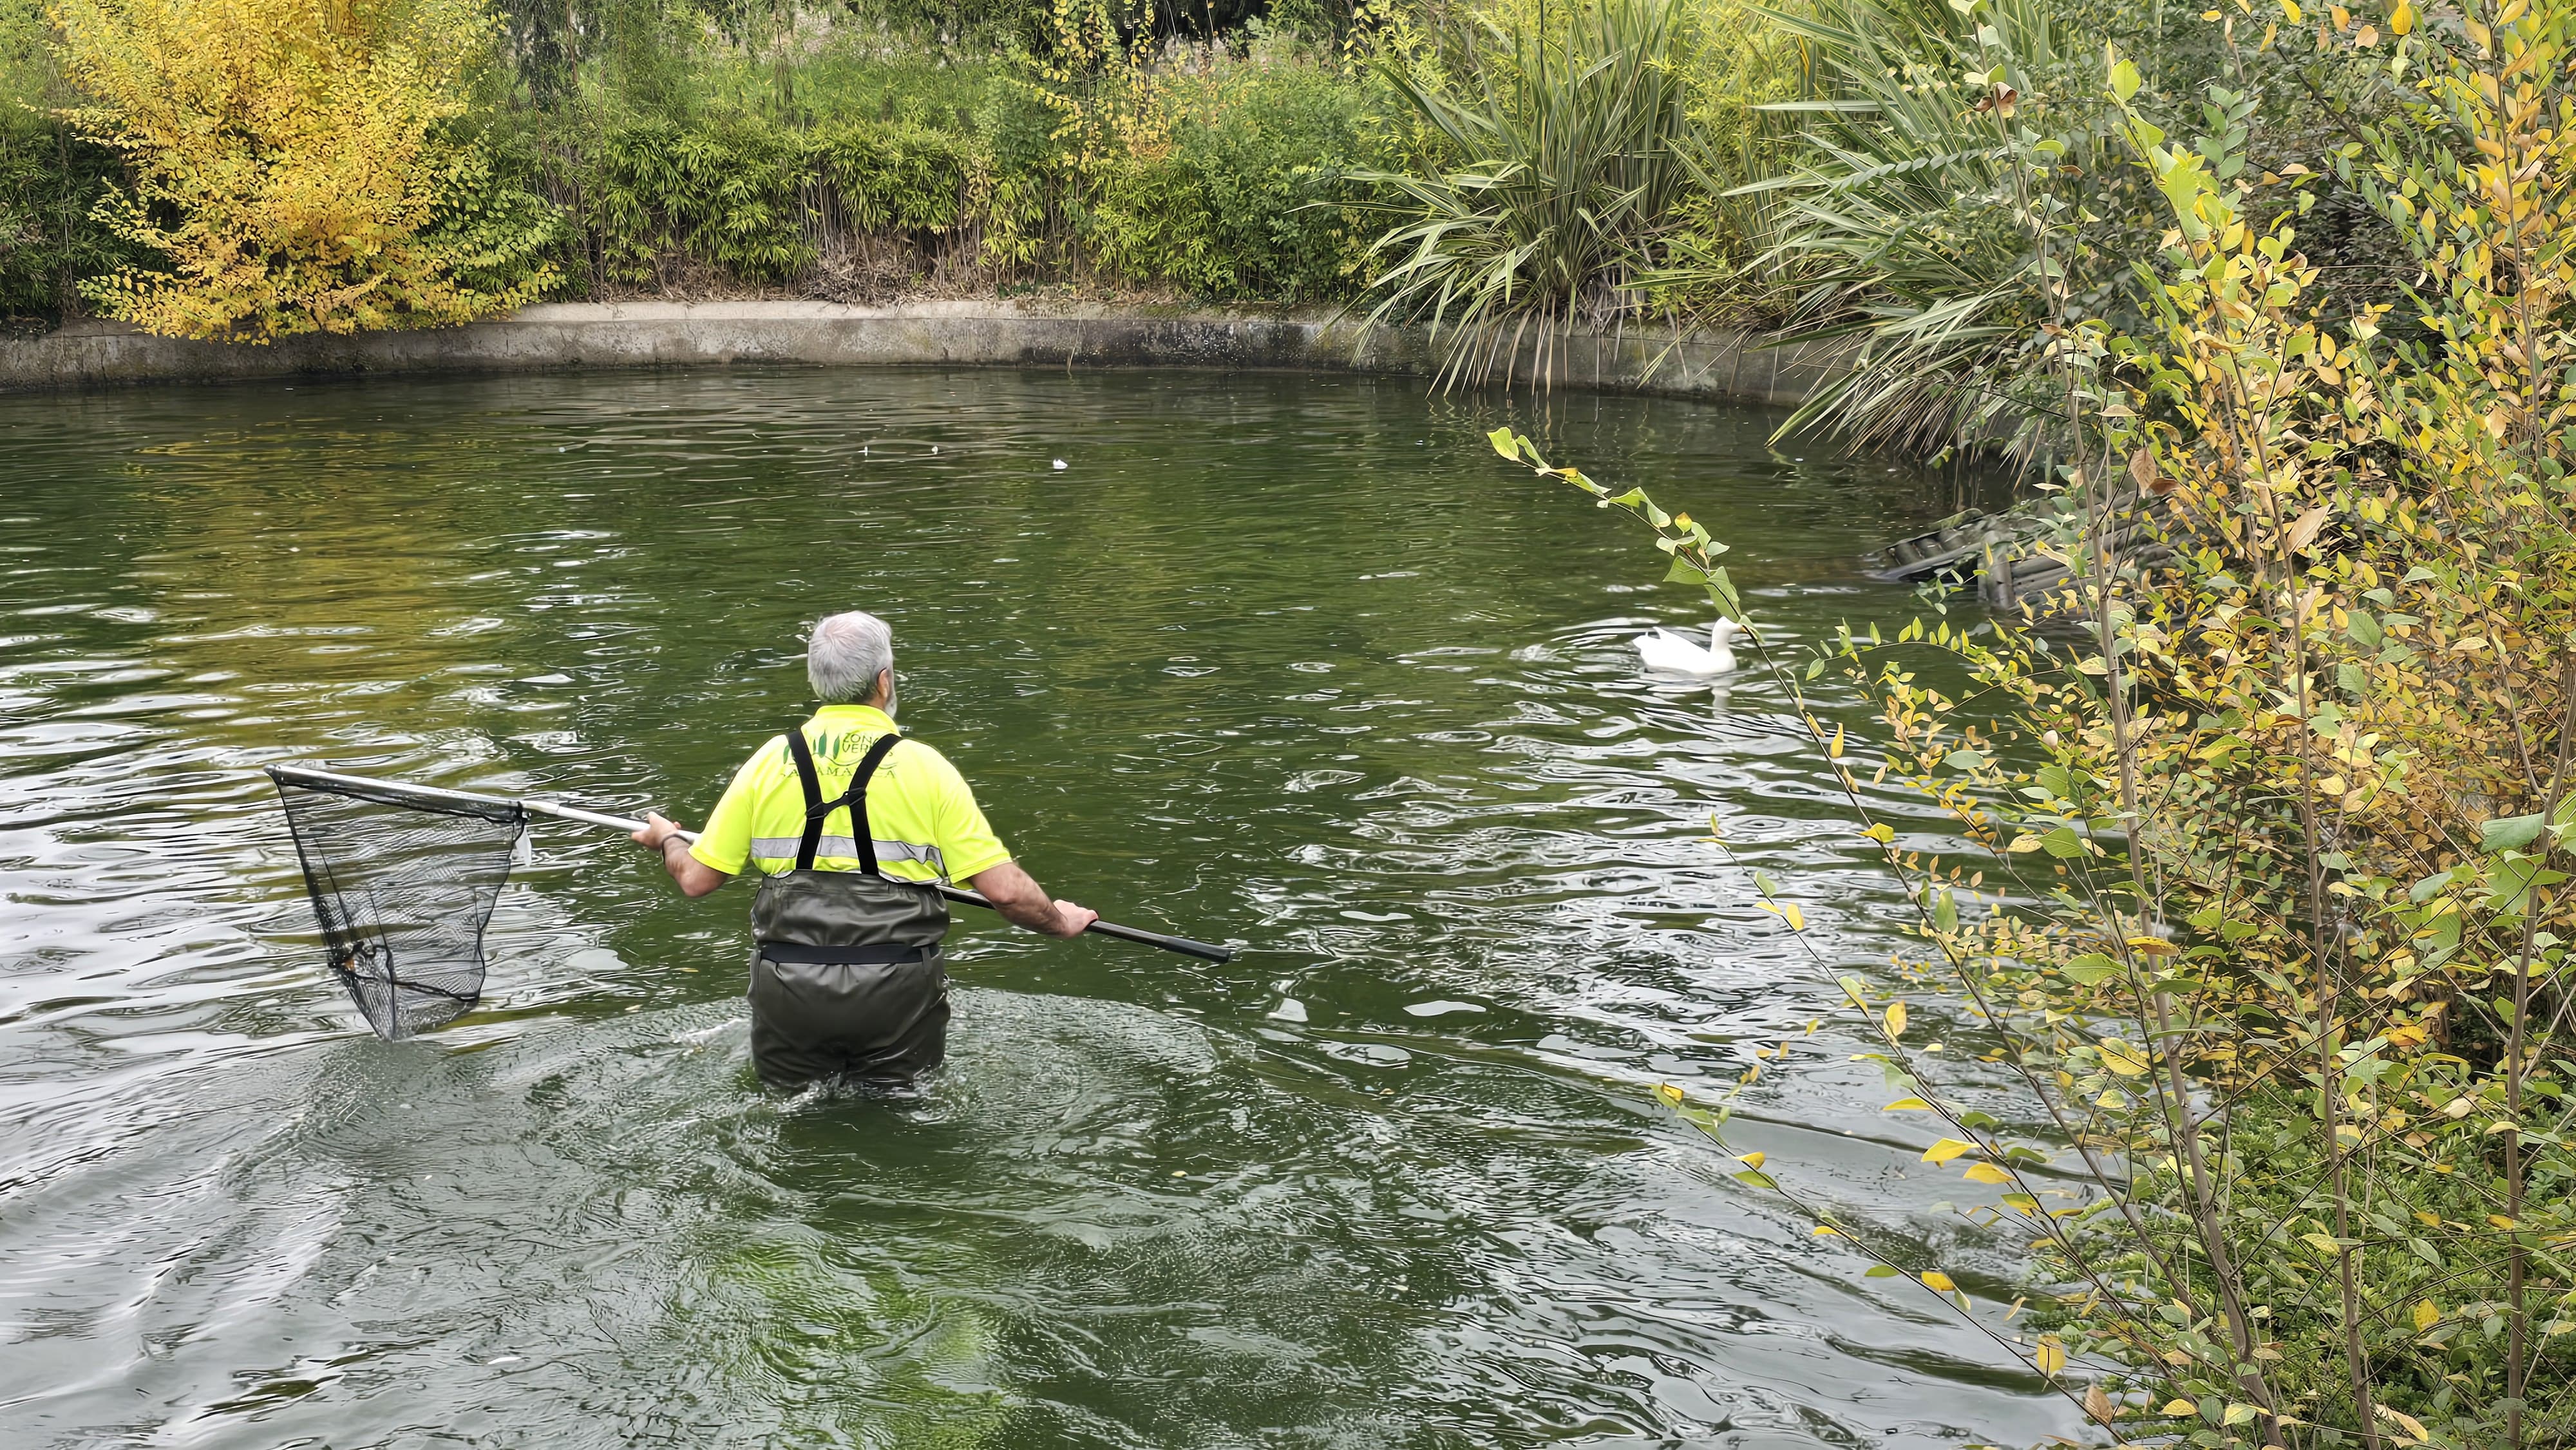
724,192
896,175
1247,198
50,179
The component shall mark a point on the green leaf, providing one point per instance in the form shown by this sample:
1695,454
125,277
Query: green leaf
2513,881
1878,1271
1505,443
2124,81
2184,182
2510,834
2092,968
1721,592
2062,843
2364,629
1685,572
1964,760
1945,912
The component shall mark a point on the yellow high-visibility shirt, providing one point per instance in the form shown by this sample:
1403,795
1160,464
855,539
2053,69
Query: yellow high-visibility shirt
922,817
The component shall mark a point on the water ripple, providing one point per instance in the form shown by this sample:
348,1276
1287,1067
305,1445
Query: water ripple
1285,660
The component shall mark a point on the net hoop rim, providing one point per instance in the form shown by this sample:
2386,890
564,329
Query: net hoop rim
497,809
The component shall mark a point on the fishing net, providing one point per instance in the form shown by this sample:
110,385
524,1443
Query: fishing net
403,882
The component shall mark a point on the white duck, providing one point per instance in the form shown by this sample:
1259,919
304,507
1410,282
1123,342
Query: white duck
1662,649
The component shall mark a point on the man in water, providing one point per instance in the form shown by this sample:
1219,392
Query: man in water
851,826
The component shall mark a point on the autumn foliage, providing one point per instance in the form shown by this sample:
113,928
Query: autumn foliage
296,163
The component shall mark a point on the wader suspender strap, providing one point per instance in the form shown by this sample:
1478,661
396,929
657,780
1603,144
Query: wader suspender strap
856,798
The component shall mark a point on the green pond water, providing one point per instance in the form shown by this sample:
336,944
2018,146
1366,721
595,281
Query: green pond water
1295,663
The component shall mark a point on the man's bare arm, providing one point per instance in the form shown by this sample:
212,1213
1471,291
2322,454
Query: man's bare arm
695,877
1017,895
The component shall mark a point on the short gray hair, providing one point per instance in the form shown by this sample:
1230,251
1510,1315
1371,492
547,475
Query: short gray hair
844,653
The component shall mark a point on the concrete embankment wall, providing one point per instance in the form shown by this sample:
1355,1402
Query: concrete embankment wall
583,335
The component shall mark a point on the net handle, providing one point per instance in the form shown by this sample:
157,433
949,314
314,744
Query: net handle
1205,951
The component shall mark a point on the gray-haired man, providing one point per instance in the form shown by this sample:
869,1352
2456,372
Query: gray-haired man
852,826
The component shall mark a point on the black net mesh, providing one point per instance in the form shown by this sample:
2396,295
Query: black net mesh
403,885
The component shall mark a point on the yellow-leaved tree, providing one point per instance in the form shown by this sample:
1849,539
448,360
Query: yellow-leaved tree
299,165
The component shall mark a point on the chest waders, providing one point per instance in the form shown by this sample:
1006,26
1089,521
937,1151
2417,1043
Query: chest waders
846,974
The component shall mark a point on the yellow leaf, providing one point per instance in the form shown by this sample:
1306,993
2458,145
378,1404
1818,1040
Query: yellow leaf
1988,1173
1895,1019
2152,946
1834,749
1882,833
306,163
2050,1356
1824,1231
1752,1160
2028,841
1797,919
2427,1314
1669,1093
1907,1105
2179,1408
2400,21
2123,1059
2291,9
1937,1281
2303,529
1947,1149
2414,1427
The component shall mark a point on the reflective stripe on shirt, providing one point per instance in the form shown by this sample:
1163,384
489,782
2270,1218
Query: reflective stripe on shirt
843,848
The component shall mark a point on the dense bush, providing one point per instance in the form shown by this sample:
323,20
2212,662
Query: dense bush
50,179
725,193
752,199
50,183
1248,195
1218,177
293,177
